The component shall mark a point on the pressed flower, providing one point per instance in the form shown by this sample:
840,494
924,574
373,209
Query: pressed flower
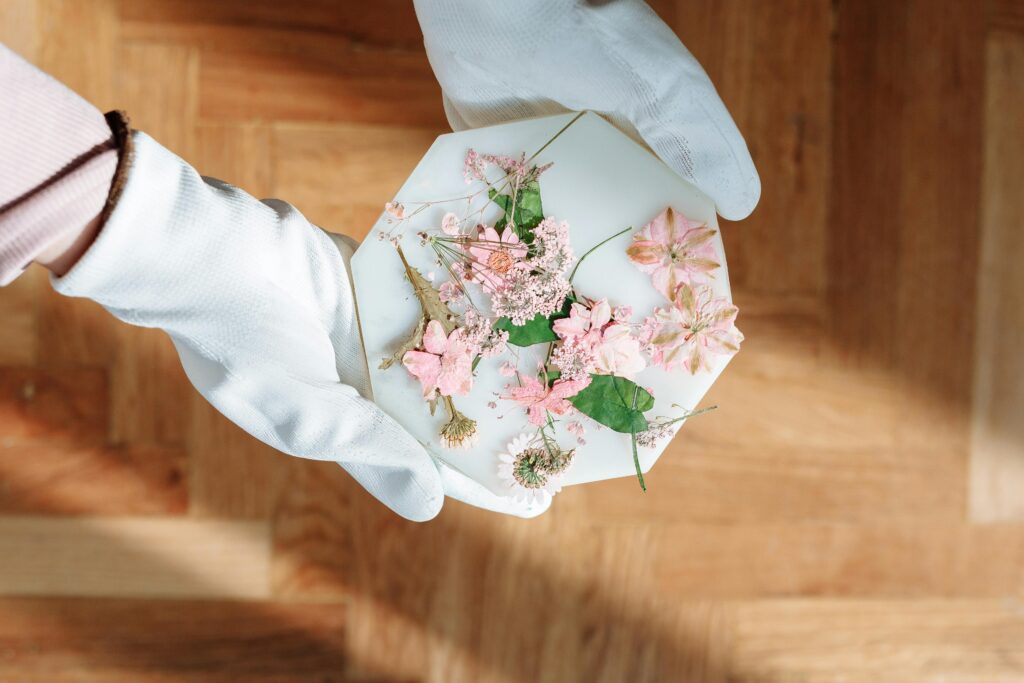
479,333
450,292
584,322
576,429
551,250
507,369
615,350
460,431
618,352
450,224
539,399
444,365
525,295
674,249
493,256
574,358
395,209
533,469
694,327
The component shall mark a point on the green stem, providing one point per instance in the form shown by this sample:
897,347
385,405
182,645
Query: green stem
632,435
564,128
594,248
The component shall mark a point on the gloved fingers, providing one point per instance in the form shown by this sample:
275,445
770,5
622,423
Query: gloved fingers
460,487
398,488
540,57
322,421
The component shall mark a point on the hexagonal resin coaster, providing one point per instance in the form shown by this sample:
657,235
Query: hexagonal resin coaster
475,242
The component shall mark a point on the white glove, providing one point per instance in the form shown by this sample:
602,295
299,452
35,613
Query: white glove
259,305
500,61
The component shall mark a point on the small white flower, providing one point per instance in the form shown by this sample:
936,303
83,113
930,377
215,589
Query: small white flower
527,468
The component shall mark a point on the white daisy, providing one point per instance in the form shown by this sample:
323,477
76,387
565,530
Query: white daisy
529,470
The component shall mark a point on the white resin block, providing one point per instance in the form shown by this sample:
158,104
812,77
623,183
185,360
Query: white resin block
601,182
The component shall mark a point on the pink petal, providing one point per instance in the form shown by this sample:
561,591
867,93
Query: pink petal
434,339
600,314
645,253
425,367
661,227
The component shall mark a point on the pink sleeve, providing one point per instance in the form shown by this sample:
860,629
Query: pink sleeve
57,160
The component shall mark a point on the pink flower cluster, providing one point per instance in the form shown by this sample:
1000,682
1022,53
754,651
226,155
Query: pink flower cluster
537,285
518,170
695,325
444,364
591,334
680,256
674,249
540,399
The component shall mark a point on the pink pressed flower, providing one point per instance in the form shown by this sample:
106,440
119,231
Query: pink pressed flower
551,250
507,370
493,256
622,314
449,292
613,348
693,327
450,224
444,365
584,322
576,429
674,249
395,209
618,352
539,399
525,295
473,167
574,357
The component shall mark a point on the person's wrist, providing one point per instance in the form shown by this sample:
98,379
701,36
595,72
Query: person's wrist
64,252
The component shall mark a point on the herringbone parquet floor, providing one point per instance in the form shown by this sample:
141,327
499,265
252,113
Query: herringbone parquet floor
853,513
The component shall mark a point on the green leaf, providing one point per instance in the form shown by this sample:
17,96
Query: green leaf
539,330
610,400
536,331
525,213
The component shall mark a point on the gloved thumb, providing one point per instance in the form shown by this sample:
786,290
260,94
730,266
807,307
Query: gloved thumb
323,421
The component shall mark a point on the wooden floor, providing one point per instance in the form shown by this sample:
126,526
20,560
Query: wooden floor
853,513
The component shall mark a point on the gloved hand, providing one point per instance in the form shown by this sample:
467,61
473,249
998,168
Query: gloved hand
501,61
260,307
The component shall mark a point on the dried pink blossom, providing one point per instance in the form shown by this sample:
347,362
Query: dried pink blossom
479,333
584,322
576,429
574,357
473,167
507,370
614,348
551,250
444,365
450,224
622,314
674,249
525,295
618,352
450,292
695,326
492,256
395,209
539,399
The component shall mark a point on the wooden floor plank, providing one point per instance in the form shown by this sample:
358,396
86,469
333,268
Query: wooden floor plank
133,557
997,452
785,116
145,640
866,642
55,457
341,175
